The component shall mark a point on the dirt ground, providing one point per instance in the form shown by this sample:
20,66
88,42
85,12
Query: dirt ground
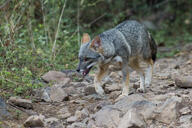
82,96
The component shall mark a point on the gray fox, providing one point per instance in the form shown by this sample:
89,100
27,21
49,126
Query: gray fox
127,44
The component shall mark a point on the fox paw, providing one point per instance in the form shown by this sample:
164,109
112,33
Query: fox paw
100,91
141,90
147,85
121,97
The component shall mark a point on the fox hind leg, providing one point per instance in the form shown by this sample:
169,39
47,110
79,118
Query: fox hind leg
149,73
136,66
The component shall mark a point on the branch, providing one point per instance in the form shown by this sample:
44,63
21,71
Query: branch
58,26
78,11
2,6
95,20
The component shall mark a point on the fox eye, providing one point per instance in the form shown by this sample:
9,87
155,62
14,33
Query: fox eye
86,59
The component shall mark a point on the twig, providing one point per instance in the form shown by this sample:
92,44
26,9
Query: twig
78,11
67,40
45,26
30,27
9,80
21,109
95,20
2,6
56,35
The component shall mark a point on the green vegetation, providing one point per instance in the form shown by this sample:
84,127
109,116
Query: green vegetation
33,39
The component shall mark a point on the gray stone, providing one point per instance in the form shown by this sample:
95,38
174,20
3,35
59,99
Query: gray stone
71,119
57,93
114,94
46,94
168,112
188,47
125,103
184,82
185,121
55,76
112,115
132,120
82,114
185,111
63,113
24,103
35,121
107,117
89,90
112,87
78,125
53,122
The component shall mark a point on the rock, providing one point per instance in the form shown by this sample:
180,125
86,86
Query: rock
72,91
4,114
101,104
53,122
124,103
114,95
35,121
185,111
57,77
184,82
89,90
168,112
138,113
46,94
115,76
82,114
188,47
57,93
111,115
132,120
24,103
78,125
63,113
107,117
71,119
110,88
186,121
79,101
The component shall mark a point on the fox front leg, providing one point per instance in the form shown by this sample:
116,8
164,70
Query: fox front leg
99,76
125,83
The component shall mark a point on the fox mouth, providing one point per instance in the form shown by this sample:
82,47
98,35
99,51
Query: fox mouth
86,71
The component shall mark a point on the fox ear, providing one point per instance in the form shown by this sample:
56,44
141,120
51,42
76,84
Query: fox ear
96,44
86,38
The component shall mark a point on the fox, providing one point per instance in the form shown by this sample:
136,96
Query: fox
128,44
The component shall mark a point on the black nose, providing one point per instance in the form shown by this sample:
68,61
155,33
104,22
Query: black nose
78,70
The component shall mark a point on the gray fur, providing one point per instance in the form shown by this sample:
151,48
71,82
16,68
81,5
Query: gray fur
135,36
127,39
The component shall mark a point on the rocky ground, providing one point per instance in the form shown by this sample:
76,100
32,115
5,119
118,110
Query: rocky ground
71,104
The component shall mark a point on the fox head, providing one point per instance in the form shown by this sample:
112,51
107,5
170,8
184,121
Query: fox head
89,54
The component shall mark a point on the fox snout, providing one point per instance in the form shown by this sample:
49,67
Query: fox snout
78,67
85,66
